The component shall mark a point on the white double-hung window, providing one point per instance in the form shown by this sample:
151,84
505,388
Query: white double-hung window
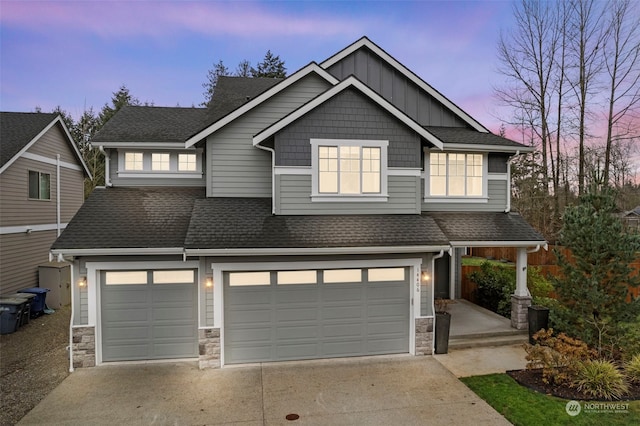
345,169
451,175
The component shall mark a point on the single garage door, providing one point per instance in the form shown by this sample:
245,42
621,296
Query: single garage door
148,315
307,314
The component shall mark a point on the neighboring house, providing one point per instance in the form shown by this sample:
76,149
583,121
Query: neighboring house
631,219
292,219
41,188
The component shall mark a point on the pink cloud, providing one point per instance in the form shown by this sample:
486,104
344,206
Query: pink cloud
120,19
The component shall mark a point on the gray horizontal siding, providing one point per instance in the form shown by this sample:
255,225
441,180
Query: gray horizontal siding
497,191
20,255
116,180
54,142
349,115
293,194
235,167
17,209
395,88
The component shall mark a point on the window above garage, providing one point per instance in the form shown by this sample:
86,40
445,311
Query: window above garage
349,170
455,176
169,164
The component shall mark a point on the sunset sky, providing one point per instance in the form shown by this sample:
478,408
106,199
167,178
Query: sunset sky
77,53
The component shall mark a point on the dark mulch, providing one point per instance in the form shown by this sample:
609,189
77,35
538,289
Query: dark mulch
533,380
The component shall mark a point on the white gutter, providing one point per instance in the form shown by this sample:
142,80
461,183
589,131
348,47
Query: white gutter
118,251
58,194
508,207
433,284
545,246
273,176
461,244
316,250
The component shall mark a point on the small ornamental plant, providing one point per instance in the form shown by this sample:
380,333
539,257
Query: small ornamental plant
442,305
632,369
600,379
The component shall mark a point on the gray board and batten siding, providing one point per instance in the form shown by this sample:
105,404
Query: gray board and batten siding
396,88
348,115
235,167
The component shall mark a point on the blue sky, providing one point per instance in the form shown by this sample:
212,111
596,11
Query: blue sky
77,53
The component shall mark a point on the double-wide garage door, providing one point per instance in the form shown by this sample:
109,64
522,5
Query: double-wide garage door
148,315
307,314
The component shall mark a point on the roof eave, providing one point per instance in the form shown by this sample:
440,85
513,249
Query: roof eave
145,145
314,250
484,243
124,251
487,148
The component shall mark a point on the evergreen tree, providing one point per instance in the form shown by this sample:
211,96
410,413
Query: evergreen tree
213,74
595,281
270,67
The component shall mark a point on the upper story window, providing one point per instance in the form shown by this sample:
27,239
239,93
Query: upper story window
159,164
39,185
349,168
455,175
133,161
187,162
160,161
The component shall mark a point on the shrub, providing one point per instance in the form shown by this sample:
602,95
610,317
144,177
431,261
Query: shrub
629,338
600,379
558,356
496,284
632,368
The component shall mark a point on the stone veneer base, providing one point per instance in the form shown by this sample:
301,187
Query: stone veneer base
520,312
424,336
209,348
84,347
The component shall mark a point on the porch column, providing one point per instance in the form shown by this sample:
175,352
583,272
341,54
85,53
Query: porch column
521,299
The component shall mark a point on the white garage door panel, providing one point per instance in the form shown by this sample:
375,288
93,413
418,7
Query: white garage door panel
148,321
306,321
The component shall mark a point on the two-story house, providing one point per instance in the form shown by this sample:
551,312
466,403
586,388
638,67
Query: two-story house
293,218
41,188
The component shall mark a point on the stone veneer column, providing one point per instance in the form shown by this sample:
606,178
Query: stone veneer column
519,311
84,347
209,343
424,336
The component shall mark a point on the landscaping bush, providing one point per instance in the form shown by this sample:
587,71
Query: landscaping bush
558,356
628,342
600,379
496,284
632,369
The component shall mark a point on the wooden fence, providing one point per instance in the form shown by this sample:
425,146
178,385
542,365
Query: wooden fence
545,260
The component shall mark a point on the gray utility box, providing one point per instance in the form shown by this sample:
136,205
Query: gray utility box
56,276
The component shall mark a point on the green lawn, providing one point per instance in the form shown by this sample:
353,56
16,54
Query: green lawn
477,261
524,407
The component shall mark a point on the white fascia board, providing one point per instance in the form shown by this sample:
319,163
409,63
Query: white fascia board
142,145
364,41
497,243
293,78
118,251
333,91
487,148
58,119
316,250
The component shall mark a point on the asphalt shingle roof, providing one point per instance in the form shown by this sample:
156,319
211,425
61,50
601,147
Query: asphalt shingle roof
461,135
151,124
480,226
223,223
17,129
233,92
131,218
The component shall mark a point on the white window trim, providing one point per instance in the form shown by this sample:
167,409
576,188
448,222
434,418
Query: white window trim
39,188
484,198
147,172
383,196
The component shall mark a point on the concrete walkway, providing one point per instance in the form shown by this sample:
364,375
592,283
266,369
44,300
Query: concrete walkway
481,361
398,390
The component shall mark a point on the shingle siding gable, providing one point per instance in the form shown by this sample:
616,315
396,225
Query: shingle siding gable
349,115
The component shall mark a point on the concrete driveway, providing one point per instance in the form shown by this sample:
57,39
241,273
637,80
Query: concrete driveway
398,390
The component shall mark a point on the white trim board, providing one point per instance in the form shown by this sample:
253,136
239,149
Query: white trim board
23,229
51,161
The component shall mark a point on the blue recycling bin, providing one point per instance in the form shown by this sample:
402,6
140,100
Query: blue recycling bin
38,303
10,312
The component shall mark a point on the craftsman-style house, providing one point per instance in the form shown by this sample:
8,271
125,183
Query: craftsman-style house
293,218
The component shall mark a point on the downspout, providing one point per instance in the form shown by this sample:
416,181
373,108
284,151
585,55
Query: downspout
508,208
107,162
58,193
433,279
273,175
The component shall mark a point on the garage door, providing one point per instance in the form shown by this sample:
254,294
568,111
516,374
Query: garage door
289,315
148,315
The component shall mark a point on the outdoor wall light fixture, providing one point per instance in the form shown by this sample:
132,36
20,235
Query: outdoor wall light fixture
425,276
82,282
208,282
